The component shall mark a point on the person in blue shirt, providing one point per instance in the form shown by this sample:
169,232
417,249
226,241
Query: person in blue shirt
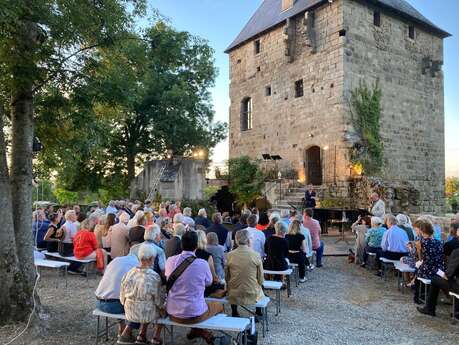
40,226
373,238
394,242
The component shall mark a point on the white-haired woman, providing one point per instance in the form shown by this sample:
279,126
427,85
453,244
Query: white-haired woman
202,219
142,299
135,220
273,219
373,238
187,220
404,222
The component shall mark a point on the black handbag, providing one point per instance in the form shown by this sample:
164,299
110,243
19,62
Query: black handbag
65,249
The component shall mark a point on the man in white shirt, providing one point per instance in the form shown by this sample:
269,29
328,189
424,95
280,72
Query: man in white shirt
108,291
379,207
257,237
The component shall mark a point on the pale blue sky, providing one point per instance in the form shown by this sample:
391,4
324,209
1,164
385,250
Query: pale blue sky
220,21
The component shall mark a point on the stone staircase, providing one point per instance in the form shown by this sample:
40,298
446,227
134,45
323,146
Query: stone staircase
292,195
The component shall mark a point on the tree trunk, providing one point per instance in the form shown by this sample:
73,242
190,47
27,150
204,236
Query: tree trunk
14,304
130,166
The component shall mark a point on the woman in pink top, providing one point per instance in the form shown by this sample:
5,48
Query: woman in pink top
315,230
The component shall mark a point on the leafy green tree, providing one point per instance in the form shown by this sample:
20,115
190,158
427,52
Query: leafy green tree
42,42
245,179
451,186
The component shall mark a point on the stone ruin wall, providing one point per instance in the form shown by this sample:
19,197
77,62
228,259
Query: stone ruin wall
412,125
283,124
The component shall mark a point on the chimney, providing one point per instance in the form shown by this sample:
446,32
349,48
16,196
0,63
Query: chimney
287,4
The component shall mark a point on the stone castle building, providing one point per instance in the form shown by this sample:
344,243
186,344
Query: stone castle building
293,67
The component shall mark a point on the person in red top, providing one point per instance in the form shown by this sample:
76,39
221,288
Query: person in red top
315,230
85,242
263,221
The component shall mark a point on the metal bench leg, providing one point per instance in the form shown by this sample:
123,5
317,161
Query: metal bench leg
106,329
66,274
278,300
289,288
172,335
97,330
454,314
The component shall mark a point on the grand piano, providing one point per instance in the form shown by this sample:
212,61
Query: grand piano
339,216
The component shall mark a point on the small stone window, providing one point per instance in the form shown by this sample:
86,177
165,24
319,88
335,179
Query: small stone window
268,91
299,91
411,32
377,18
257,47
246,114
342,33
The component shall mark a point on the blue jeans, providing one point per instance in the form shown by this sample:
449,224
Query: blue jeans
110,307
319,254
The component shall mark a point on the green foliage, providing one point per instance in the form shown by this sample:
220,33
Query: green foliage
246,179
43,192
210,191
334,203
366,111
66,197
451,186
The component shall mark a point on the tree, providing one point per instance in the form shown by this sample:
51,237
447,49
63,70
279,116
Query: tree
41,42
245,179
451,186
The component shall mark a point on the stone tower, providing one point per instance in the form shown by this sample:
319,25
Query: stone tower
292,69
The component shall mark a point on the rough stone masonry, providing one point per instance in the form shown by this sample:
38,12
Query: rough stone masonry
292,69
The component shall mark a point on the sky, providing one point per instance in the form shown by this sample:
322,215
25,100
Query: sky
220,21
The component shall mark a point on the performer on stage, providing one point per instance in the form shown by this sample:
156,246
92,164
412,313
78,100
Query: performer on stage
378,208
310,197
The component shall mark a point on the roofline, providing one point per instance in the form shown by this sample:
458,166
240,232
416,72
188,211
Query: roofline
228,50
430,28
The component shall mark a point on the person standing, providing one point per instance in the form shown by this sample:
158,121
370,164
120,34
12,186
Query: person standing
378,208
310,197
314,228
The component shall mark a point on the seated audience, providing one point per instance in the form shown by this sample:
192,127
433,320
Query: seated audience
173,245
241,224
185,299
404,223
138,219
218,255
202,219
276,249
39,228
69,230
373,238
308,241
314,227
85,244
120,237
453,243
111,208
219,229
360,228
273,219
258,239
108,291
152,237
394,242
263,221
447,281
244,274
51,237
187,219
142,299
202,253
297,248
431,255
103,231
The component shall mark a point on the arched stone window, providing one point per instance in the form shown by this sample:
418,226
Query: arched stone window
246,114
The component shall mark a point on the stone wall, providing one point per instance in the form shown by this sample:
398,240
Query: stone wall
412,124
283,124
181,179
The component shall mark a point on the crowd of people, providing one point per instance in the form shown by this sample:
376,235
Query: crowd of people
163,261
420,245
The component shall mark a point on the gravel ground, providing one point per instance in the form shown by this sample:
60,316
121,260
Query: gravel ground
339,304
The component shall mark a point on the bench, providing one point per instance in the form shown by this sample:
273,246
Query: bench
385,263
100,314
455,314
85,263
423,289
402,268
220,323
262,304
287,273
59,265
275,286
